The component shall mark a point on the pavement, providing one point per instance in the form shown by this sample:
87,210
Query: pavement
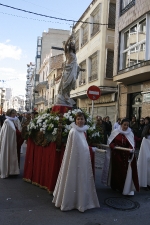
22,203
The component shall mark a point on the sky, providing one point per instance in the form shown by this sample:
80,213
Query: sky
19,32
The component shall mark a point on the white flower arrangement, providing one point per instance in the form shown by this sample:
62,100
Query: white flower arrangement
48,124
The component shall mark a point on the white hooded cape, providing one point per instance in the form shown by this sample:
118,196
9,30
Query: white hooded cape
143,163
8,150
75,187
106,173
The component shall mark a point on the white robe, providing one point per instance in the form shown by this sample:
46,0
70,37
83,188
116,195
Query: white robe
75,187
143,163
8,150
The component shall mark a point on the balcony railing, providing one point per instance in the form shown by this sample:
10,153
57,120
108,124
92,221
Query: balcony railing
40,100
123,10
93,77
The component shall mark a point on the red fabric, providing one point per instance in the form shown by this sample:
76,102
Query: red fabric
42,164
120,164
60,108
37,164
28,166
54,165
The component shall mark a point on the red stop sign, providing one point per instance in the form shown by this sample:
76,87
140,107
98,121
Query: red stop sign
93,92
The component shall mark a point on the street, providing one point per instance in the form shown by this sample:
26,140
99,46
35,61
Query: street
22,203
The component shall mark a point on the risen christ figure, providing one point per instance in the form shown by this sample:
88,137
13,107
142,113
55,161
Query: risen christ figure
70,74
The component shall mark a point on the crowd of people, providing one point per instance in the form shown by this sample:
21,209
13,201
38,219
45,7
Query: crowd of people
75,186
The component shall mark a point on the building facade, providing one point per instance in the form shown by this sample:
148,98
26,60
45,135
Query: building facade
95,54
132,57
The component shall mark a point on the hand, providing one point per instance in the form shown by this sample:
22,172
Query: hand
83,70
132,150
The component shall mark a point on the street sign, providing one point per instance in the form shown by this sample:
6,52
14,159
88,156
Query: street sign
93,92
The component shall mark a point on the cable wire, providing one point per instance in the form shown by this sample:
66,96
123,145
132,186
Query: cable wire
29,18
52,17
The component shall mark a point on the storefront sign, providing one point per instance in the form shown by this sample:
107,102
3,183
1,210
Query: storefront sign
146,97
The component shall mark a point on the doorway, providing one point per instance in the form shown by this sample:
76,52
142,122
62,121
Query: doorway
136,105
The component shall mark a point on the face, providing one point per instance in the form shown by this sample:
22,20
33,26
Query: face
125,126
80,121
107,118
133,119
141,121
72,45
13,114
146,121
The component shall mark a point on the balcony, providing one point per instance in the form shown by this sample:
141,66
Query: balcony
52,83
134,74
127,7
41,85
40,100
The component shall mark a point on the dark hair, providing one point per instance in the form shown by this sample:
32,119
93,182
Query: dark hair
147,118
70,48
146,132
124,120
80,114
9,112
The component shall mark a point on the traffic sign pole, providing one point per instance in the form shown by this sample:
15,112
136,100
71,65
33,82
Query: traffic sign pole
92,108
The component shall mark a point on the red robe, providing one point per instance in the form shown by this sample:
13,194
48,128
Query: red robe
120,163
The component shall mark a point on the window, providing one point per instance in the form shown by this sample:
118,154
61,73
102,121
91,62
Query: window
93,72
82,77
95,17
126,5
77,40
134,47
112,16
109,66
84,34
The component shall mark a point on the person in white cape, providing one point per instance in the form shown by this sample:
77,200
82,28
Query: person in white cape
75,187
120,169
8,146
143,163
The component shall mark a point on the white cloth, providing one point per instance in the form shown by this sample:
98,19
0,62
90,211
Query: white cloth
106,173
143,163
8,150
68,82
128,133
75,187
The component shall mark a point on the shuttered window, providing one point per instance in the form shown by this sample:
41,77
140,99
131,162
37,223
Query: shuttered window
82,77
85,29
109,66
77,40
95,16
94,68
112,16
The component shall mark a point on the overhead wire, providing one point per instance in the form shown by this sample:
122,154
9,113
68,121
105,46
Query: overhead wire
29,18
52,17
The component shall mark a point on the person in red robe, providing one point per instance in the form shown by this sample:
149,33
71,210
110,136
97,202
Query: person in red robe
123,174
